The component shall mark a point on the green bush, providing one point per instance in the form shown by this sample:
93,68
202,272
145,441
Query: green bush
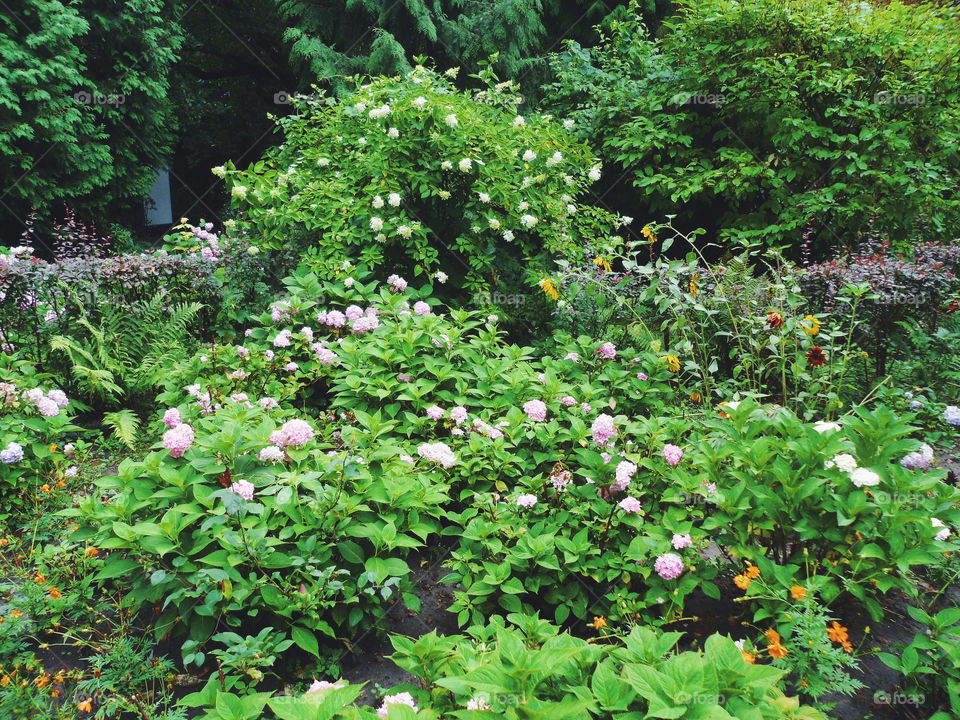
412,171
768,117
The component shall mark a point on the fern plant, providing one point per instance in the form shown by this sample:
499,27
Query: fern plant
123,353
124,426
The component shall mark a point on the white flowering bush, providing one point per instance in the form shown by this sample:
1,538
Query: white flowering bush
413,170
35,417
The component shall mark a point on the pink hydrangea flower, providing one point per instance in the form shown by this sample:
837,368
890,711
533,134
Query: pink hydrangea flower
586,407
572,356
607,351
681,541
458,414
59,397
178,439
291,366
407,459
625,472
365,323
47,407
672,454
669,566
282,339
421,308
171,418
307,333
603,430
397,283
630,504
318,685
271,453
336,319
295,432
403,698
439,453
268,354
641,376
535,410
243,488
268,403
353,312
568,400
434,412
527,500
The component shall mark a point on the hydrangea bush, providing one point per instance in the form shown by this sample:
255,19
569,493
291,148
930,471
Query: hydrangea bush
414,170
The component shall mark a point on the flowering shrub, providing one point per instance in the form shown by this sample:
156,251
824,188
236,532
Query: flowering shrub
414,170
832,498
35,416
243,515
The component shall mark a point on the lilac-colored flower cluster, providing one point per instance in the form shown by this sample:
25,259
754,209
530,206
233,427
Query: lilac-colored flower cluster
918,460
669,566
437,452
178,439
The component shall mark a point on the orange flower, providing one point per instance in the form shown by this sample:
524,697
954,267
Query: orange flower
798,592
85,705
45,488
39,578
777,651
16,613
42,681
837,632
753,572
804,683
55,594
847,646
772,636
748,657
4,542
774,320
696,397
742,582
599,622
91,552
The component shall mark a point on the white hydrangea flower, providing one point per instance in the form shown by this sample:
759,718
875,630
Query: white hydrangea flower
518,121
323,162
419,102
451,120
484,198
862,477
360,107
377,202
508,235
394,199
380,112
571,209
494,223
523,205
528,221
465,165
568,124
625,220
440,276
376,224
446,165
405,231
444,194
362,141
594,173
555,159
529,156
843,461
393,133
239,191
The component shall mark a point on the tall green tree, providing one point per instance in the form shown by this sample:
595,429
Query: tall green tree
332,40
84,108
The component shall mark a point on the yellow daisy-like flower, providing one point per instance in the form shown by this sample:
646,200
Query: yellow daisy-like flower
602,262
810,325
673,362
798,592
547,285
648,234
694,286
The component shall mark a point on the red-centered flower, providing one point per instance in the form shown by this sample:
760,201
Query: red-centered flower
815,356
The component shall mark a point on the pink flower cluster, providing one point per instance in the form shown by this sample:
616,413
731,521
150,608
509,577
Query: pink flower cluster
437,452
625,472
535,410
434,412
672,454
603,430
397,283
272,453
48,404
669,566
608,351
631,504
243,488
293,432
178,439
403,698
171,418
526,500
681,541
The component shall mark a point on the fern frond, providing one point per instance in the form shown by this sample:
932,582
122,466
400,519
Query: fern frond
124,425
